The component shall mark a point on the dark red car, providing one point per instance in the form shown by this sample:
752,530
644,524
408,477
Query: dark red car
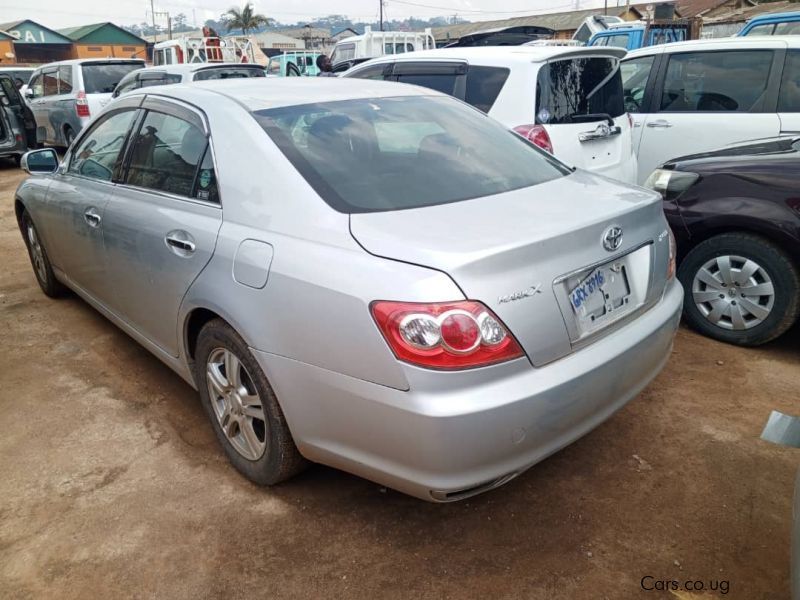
735,213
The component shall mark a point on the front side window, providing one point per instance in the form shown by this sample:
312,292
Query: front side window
65,79
374,72
102,78
357,154
789,96
37,85
618,41
766,29
98,154
569,90
165,154
484,85
228,73
635,73
728,81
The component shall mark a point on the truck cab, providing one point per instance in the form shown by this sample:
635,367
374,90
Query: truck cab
639,34
787,23
373,44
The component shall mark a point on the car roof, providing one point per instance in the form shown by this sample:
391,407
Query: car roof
511,54
263,93
87,61
750,41
183,68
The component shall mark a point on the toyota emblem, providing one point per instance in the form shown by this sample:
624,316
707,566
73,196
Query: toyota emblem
612,238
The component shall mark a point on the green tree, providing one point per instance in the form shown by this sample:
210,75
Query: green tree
244,19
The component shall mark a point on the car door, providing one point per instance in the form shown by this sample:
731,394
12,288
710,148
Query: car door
789,94
160,227
77,200
638,78
36,102
707,99
21,116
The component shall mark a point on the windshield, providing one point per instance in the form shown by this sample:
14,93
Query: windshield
567,90
102,78
229,73
385,154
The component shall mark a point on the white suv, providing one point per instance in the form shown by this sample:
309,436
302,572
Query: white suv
566,100
692,97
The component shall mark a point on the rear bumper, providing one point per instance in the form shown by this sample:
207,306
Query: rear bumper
455,434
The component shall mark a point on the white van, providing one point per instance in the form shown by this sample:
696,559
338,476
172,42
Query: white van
373,44
566,100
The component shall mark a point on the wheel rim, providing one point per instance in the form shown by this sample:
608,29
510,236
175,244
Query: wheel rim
37,255
236,403
733,292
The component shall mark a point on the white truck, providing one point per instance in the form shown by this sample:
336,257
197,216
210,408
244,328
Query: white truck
372,44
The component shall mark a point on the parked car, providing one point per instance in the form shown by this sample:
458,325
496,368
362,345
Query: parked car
565,100
691,97
633,35
735,213
65,95
17,127
20,75
294,64
787,23
184,73
410,292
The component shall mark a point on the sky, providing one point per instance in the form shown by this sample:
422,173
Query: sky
68,13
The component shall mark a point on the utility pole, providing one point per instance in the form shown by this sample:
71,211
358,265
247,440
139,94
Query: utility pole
380,2
153,15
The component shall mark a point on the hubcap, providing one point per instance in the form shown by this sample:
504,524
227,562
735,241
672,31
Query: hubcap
733,292
36,254
236,403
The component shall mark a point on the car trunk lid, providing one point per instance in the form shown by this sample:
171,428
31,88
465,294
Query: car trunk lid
522,253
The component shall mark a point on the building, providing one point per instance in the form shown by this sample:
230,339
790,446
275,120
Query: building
104,40
7,55
35,43
313,37
269,40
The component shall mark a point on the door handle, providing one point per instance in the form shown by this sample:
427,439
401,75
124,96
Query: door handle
178,241
659,123
91,217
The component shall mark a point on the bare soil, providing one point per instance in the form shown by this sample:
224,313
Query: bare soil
112,484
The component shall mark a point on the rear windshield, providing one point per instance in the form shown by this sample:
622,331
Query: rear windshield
568,90
102,78
384,154
229,73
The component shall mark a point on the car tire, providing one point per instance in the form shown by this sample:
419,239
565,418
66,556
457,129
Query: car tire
40,262
261,446
728,279
69,136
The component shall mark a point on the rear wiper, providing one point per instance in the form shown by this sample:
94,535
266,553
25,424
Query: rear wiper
578,118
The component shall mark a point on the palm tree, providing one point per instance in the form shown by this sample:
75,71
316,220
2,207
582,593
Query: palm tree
244,19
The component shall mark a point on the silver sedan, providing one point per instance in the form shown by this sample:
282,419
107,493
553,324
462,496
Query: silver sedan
369,275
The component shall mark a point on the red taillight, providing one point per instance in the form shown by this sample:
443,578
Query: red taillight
82,105
536,134
446,335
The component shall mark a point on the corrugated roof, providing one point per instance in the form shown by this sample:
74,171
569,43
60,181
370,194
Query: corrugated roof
560,21
101,33
741,15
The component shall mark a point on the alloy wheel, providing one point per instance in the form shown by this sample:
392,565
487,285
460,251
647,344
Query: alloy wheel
733,292
236,403
37,254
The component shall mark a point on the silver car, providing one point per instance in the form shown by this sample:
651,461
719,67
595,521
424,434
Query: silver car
65,95
364,274
184,73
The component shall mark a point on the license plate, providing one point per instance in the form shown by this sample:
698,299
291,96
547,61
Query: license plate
603,291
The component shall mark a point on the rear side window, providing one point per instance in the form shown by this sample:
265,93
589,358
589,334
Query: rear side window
51,83
568,90
102,78
484,85
789,96
732,81
228,73
357,154
65,80
165,79
445,83
166,154
788,28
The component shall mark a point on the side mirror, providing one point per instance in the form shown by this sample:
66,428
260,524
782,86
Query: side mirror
28,93
40,161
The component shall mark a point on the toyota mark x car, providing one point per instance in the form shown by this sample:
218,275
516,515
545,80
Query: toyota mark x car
364,274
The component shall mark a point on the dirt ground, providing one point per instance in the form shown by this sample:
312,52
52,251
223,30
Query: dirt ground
112,485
